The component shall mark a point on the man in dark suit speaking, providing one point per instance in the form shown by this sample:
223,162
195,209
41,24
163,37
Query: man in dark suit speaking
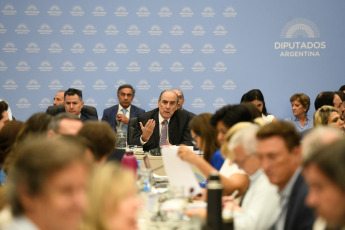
74,102
280,154
164,125
119,115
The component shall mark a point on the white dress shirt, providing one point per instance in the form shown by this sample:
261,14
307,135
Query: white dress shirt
260,205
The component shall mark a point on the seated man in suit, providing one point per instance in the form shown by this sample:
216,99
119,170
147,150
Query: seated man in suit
74,103
119,115
279,150
324,171
181,102
164,125
59,98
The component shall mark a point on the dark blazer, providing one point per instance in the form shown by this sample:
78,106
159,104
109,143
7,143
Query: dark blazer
299,216
179,131
85,117
109,114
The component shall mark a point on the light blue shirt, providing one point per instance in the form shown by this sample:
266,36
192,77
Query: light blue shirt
298,126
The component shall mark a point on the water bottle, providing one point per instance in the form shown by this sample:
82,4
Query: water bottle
129,160
214,203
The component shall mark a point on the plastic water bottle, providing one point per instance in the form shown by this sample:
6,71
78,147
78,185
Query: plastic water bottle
129,160
214,202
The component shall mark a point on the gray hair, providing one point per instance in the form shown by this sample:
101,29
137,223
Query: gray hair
245,137
318,137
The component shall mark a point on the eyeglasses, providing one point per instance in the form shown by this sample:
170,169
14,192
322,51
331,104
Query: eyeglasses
193,139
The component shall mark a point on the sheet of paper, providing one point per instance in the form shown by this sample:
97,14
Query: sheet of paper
179,172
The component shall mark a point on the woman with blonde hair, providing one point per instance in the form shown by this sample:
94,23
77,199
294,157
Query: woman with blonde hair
328,116
113,202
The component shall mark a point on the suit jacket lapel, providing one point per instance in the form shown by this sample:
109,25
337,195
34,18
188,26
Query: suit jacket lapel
113,119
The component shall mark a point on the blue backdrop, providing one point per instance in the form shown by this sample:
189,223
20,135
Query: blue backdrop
213,50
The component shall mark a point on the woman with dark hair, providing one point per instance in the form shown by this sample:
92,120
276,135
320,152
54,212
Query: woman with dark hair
205,137
256,97
300,105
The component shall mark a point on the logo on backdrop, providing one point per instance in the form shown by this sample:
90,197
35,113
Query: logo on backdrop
45,29
99,11
186,12
45,102
32,48
219,67
89,66
23,66
99,85
133,67
198,103
121,48
186,85
33,85
55,85
300,37
229,49
165,49
77,48
22,29
121,11
78,84
10,47
229,85
219,102
176,30
23,103
229,12
198,67
186,49
143,48
90,101
133,30
3,30
155,67
119,82
67,66
207,49
67,30
208,12
198,31
155,30
208,85
110,102
111,30
54,11
220,31
143,85
77,11
153,103
143,12
136,102
89,30
99,48
55,48
9,10
176,67
164,12
164,85
32,11
111,67
3,66
10,85
45,66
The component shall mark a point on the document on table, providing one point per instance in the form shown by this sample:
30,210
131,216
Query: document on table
179,172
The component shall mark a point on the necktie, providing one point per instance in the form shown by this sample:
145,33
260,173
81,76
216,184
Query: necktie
124,126
164,133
